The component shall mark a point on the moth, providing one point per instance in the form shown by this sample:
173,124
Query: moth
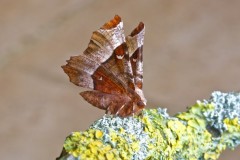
112,68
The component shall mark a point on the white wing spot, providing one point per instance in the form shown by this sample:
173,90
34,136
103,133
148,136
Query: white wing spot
134,59
100,78
119,56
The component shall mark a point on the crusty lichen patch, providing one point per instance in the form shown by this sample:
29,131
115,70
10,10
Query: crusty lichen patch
97,144
88,144
193,134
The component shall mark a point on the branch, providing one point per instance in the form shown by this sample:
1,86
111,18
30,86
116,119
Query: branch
202,132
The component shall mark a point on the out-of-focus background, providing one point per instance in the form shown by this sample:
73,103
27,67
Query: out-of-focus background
191,49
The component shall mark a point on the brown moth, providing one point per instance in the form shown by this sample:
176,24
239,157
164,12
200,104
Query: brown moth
112,67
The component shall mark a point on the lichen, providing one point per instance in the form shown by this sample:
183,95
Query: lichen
88,144
202,132
227,105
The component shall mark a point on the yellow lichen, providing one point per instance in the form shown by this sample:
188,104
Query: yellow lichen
232,124
98,134
109,156
211,156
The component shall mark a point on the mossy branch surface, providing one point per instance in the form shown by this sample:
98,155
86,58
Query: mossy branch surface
202,132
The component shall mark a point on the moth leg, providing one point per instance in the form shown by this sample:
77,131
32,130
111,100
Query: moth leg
106,112
120,109
133,110
108,108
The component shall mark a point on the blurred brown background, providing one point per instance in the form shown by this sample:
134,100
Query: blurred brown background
191,49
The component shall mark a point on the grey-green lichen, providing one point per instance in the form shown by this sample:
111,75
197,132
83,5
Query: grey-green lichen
202,132
227,105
